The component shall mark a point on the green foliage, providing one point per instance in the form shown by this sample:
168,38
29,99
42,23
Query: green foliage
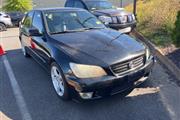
156,19
17,5
176,31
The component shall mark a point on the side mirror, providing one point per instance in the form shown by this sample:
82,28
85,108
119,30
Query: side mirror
34,32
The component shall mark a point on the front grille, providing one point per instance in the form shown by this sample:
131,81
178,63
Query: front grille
123,19
128,65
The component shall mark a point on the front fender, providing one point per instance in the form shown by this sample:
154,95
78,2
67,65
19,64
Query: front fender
62,59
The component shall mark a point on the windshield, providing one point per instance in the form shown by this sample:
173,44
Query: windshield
71,21
99,5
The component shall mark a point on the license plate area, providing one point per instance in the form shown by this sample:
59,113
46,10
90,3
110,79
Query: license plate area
135,76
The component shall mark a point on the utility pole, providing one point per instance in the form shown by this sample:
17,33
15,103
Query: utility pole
134,8
121,4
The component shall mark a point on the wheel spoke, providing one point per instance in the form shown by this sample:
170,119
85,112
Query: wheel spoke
55,72
61,86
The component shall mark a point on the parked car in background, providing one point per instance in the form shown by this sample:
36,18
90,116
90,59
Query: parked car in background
116,18
5,21
86,59
16,17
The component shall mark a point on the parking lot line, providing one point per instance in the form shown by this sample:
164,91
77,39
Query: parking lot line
17,91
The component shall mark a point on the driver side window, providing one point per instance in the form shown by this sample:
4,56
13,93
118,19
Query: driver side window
37,22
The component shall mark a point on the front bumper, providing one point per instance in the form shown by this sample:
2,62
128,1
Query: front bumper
110,85
118,26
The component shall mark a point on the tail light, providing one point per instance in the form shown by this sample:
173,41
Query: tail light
33,46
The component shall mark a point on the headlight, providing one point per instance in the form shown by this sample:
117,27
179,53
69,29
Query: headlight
105,19
114,19
133,17
123,19
148,53
87,71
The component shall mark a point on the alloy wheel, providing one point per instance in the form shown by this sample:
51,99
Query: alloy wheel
57,81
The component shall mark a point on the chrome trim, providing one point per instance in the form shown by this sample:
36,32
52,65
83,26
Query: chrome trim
140,57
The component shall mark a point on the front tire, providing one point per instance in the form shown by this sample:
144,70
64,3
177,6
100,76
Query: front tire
59,83
2,27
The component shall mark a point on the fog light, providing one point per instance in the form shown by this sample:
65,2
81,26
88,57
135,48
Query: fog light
86,95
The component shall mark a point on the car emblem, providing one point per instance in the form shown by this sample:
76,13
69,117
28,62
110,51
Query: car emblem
131,65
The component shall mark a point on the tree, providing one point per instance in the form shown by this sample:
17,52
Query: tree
176,32
17,5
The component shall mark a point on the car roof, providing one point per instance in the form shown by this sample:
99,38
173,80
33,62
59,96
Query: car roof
58,8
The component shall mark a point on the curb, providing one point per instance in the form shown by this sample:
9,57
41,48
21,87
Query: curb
163,59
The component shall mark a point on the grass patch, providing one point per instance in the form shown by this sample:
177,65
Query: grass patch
156,19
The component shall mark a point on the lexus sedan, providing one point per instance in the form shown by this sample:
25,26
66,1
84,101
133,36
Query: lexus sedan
16,17
86,60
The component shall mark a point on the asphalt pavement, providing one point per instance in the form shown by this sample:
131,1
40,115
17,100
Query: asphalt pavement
157,99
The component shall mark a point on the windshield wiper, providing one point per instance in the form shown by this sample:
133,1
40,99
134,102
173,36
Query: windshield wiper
90,28
68,31
61,32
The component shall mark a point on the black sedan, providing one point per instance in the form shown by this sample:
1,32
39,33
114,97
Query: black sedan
86,60
16,17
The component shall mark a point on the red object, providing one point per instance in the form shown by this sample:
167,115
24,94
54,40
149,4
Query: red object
1,51
33,46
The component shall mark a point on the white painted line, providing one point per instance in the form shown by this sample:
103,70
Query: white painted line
169,107
17,91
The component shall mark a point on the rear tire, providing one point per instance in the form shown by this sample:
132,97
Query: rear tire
24,50
59,83
2,27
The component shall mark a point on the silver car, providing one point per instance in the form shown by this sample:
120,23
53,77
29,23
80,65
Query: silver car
5,21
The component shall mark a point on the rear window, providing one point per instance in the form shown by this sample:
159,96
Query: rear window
99,5
69,4
79,4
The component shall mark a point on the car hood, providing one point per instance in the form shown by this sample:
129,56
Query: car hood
98,47
112,12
